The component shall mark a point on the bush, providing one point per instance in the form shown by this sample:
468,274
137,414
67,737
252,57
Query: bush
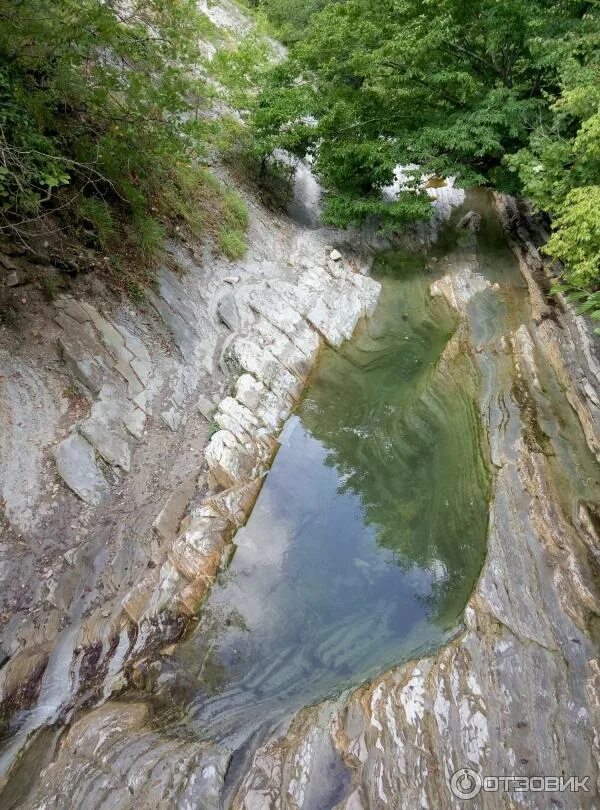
94,118
236,211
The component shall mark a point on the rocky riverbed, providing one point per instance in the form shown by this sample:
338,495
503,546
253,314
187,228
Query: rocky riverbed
117,516
514,693
517,692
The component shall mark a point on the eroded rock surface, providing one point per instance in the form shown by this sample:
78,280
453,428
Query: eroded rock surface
124,758
129,551
517,692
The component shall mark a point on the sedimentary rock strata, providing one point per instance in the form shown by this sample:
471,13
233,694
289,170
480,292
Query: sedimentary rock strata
516,693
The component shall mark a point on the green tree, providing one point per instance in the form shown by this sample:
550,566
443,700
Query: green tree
494,92
290,17
448,85
559,169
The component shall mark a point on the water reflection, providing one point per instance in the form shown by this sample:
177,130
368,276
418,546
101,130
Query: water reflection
367,536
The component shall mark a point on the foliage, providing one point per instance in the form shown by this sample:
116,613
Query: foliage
576,237
232,243
103,119
235,221
495,92
290,17
560,169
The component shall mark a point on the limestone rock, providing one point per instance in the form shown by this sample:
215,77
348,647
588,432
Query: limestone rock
249,391
111,418
232,462
170,516
460,286
86,369
206,407
172,417
76,464
228,312
249,356
115,752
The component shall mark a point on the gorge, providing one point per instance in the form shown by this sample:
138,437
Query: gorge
317,527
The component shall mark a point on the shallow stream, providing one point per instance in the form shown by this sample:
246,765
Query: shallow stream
369,533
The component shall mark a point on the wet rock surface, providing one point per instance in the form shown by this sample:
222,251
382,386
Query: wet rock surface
517,692
124,758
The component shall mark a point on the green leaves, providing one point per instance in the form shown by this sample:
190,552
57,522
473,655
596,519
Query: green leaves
451,86
98,114
575,240
494,92
559,169
53,177
341,210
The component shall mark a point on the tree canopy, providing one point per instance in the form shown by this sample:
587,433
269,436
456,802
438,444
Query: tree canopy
494,92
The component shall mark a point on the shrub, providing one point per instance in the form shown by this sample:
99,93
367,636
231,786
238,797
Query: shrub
94,116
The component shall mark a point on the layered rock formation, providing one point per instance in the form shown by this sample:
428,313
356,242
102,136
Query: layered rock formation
283,311
516,694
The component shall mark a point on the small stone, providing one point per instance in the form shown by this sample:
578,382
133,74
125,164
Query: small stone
76,465
206,407
231,279
172,418
228,312
335,255
13,279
